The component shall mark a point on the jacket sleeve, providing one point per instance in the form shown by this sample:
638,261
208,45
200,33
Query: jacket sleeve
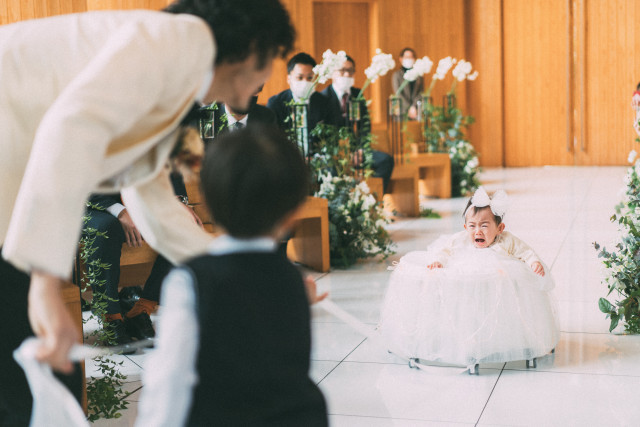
134,77
163,221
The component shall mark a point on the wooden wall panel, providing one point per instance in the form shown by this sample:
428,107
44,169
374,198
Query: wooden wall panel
612,71
20,10
535,82
432,27
344,26
483,20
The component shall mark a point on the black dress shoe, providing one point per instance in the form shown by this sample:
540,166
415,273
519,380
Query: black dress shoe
128,297
118,335
140,326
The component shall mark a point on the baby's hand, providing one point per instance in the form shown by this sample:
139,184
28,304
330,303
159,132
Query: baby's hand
537,268
434,265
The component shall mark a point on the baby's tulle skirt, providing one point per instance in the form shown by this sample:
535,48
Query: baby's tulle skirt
483,307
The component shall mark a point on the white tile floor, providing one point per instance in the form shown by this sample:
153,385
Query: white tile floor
593,378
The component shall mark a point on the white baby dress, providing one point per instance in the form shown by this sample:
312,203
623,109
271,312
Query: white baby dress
486,305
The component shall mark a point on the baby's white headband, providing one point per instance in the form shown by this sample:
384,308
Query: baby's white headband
498,203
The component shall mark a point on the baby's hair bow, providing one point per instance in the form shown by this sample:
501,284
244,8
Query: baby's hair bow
498,203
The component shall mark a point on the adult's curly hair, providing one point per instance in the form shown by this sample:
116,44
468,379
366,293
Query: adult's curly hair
243,27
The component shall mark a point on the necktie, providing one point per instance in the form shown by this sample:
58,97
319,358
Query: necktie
343,104
238,125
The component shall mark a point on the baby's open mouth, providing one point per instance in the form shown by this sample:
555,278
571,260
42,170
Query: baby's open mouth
479,240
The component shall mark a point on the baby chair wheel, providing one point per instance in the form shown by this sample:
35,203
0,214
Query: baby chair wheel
553,350
474,370
532,363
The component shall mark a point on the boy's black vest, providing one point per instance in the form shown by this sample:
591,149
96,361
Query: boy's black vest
255,341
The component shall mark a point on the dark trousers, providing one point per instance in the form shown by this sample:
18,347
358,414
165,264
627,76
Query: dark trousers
382,166
108,250
15,396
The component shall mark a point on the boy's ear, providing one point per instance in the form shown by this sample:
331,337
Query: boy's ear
501,227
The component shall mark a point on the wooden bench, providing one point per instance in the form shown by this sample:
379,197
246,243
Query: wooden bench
427,174
309,244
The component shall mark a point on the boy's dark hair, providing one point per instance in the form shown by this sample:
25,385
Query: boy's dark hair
300,58
243,27
638,86
408,49
251,179
476,209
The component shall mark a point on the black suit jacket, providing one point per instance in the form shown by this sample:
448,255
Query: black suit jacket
332,96
320,110
258,114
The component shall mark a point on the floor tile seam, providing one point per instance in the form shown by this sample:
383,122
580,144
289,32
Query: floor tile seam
343,359
593,374
490,394
573,221
402,419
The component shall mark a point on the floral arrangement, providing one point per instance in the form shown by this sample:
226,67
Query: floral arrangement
462,72
323,71
444,65
356,221
381,64
422,66
623,262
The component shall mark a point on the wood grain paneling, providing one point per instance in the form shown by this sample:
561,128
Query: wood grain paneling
483,20
612,71
344,26
535,82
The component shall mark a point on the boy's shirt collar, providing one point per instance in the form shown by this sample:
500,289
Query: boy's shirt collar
226,244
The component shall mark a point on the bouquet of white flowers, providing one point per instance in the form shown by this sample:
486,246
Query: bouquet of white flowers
444,65
422,66
381,64
323,71
356,221
462,72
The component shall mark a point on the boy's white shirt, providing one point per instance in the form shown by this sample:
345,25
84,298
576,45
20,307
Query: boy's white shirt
505,243
170,372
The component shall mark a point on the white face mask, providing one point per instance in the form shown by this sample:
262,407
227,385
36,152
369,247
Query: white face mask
408,63
343,84
300,88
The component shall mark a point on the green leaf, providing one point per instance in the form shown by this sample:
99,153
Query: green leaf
614,322
605,306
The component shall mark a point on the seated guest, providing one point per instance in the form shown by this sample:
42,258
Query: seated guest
109,216
300,77
338,94
238,296
226,118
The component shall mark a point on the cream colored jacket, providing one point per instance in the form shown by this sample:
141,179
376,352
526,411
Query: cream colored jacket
90,103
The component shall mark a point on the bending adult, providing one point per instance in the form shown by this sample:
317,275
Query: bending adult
93,102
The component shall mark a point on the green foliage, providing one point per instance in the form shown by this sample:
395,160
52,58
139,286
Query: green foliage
104,394
105,397
429,213
356,221
623,262
338,150
445,134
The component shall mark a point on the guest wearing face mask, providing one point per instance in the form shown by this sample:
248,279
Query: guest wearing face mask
300,78
338,95
410,95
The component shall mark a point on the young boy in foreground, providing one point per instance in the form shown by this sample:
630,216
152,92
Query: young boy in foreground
234,340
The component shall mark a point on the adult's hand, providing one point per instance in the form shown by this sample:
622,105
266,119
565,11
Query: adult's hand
413,112
51,321
131,234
